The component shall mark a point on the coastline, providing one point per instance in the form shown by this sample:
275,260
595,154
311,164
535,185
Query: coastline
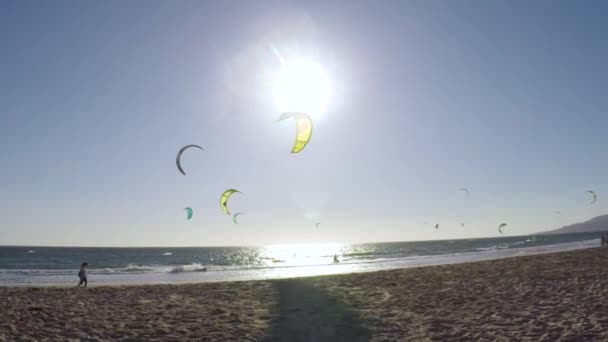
188,274
540,297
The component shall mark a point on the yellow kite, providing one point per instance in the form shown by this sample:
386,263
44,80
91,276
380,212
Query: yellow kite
303,129
224,200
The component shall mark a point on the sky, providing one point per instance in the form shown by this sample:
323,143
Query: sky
506,98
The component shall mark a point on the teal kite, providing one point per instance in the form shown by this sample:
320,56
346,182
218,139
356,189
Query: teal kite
188,213
235,216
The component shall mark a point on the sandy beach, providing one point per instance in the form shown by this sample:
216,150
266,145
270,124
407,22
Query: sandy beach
551,297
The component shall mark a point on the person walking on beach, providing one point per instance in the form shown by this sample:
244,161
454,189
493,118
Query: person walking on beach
83,274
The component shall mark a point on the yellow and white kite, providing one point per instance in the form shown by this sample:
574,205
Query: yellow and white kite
303,129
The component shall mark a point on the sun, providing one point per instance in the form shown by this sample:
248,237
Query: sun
301,86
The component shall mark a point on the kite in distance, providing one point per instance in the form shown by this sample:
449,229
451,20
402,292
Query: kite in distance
465,190
179,156
235,216
437,226
224,200
462,225
303,129
188,213
317,224
592,194
502,225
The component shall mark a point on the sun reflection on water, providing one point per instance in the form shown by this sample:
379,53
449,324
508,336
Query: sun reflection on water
301,254
300,260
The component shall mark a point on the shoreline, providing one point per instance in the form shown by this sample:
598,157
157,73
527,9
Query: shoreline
289,272
538,297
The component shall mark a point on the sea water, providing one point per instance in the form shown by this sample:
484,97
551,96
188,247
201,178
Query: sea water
59,265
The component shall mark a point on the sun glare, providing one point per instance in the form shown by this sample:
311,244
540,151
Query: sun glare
302,86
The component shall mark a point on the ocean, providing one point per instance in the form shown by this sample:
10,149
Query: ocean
157,265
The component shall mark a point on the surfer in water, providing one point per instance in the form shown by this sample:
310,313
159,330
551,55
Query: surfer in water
336,260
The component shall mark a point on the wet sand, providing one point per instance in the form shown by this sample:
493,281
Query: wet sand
551,297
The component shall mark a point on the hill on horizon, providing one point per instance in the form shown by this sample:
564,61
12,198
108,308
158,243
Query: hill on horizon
596,224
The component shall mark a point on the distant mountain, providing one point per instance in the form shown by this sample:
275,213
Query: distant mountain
597,224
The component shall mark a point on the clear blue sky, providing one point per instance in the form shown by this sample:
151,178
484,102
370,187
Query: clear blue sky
506,98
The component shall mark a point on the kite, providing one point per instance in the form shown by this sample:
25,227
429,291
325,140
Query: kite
224,200
437,226
592,194
465,190
462,225
188,213
303,129
317,224
234,217
179,156
502,225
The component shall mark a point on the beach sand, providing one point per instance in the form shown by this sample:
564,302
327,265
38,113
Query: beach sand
551,297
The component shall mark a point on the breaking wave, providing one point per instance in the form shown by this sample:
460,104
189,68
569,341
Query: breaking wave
194,267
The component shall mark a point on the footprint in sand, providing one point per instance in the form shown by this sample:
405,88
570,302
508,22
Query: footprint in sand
385,295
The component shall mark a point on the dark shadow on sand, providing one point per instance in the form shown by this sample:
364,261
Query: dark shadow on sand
306,313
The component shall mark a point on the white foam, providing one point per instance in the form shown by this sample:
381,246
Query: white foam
194,267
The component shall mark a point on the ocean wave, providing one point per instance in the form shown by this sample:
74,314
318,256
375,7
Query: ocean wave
167,254
517,243
194,267
136,268
68,272
140,269
37,272
491,248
